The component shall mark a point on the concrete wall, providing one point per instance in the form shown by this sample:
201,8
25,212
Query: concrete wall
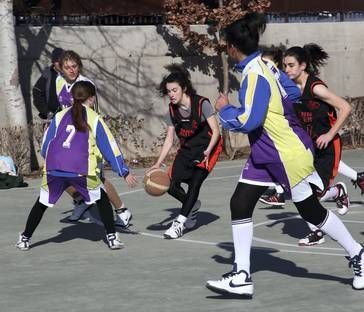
127,62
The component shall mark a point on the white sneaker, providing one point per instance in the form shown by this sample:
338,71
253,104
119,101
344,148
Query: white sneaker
239,283
357,262
175,231
23,242
192,216
114,241
123,217
78,211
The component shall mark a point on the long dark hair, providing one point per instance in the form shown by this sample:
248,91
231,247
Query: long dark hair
273,53
244,33
312,54
81,91
179,75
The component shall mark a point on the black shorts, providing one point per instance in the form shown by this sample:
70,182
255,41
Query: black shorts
327,161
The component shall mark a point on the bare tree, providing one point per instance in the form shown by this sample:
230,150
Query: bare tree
12,104
216,14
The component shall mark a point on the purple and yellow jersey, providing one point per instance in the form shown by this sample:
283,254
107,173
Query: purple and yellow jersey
63,90
76,153
268,116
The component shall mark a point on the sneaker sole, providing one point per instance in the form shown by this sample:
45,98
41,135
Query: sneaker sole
321,241
224,292
269,203
166,236
342,211
117,247
22,249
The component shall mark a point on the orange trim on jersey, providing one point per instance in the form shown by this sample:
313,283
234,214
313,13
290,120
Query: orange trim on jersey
319,82
214,156
337,150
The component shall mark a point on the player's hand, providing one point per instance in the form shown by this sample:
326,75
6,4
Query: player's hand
323,140
155,166
221,101
131,180
207,156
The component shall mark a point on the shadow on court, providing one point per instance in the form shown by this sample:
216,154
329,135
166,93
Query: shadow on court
264,260
292,224
204,218
87,231
79,230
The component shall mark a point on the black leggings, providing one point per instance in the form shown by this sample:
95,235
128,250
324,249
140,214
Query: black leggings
103,204
194,184
246,196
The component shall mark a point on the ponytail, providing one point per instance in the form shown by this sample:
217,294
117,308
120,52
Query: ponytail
312,54
81,91
317,57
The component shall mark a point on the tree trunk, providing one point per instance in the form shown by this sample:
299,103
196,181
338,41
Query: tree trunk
12,106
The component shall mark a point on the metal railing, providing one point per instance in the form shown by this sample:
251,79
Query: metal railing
315,17
88,20
157,19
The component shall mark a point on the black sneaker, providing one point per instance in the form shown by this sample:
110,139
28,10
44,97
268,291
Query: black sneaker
312,239
273,199
359,182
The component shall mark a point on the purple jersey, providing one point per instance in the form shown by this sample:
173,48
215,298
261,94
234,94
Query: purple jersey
63,89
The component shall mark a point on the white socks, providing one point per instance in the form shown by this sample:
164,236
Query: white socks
243,237
181,219
336,229
347,171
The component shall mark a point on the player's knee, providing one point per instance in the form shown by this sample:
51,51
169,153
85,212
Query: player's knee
311,210
240,210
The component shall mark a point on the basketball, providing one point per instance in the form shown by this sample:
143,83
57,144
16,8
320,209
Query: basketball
156,182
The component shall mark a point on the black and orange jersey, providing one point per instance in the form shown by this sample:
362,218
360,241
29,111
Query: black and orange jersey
316,116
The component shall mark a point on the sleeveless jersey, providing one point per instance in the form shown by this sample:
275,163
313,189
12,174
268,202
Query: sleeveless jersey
194,134
316,116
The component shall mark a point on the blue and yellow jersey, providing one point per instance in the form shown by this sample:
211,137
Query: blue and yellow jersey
77,153
267,115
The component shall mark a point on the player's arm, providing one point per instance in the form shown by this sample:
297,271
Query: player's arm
343,111
254,96
49,134
109,149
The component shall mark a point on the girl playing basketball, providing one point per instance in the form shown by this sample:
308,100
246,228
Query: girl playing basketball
70,148
192,118
277,141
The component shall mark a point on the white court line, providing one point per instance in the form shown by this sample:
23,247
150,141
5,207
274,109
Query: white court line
262,248
256,225
312,250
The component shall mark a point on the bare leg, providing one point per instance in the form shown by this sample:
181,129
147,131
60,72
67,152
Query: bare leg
113,194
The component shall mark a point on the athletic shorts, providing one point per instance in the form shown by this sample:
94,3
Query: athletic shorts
327,161
54,186
274,173
183,167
